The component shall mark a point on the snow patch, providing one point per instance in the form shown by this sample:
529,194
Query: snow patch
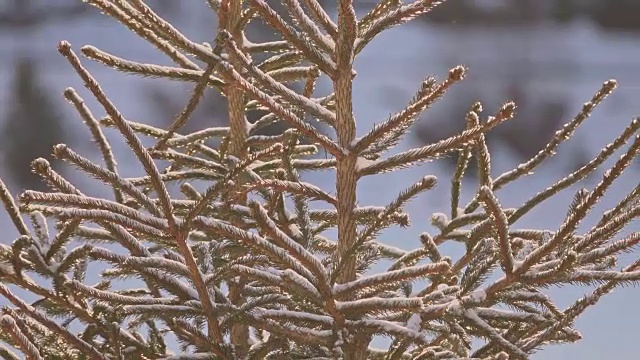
414,322
478,295
363,163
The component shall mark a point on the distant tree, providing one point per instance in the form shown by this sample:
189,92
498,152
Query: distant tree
31,125
30,13
616,14
252,262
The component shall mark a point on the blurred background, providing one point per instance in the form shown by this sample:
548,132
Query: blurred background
550,56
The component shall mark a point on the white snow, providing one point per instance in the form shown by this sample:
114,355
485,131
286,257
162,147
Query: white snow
363,163
478,295
414,322
295,230
287,314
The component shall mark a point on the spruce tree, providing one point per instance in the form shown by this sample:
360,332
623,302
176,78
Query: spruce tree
243,263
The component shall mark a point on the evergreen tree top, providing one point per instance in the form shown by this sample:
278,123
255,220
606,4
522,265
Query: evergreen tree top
245,262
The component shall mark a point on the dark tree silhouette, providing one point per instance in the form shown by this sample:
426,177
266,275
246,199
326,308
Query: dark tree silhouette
18,14
31,124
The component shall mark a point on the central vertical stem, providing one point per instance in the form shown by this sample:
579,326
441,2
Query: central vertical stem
355,346
238,148
237,118
346,186
346,189
346,177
